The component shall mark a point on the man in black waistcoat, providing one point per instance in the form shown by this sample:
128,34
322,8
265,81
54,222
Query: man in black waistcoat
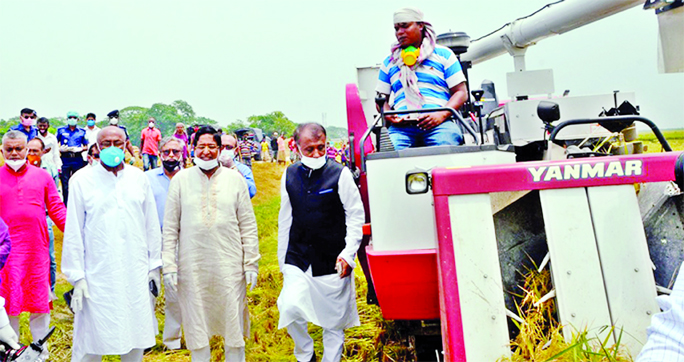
319,231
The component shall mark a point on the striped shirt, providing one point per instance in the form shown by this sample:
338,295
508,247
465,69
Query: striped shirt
437,74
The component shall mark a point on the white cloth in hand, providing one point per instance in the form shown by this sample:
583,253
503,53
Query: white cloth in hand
64,148
154,276
8,336
171,281
80,291
251,279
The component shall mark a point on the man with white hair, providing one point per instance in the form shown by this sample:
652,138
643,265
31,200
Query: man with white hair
171,152
26,192
421,74
112,255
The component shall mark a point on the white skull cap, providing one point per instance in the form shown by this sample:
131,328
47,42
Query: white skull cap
408,15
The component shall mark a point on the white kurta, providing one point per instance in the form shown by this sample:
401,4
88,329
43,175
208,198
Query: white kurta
327,301
211,225
112,239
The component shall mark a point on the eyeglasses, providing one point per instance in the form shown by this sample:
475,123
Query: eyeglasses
31,117
170,152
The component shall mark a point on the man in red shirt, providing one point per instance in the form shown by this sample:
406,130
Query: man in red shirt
149,144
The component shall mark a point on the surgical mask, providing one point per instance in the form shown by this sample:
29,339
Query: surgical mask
27,122
313,163
170,165
205,165
151,125
15,164
227,155
114,121
71,121
112,156
34,160
91,122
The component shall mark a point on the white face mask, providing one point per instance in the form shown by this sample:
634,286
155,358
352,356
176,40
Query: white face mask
114,121
313,163
15,164
205,165
151,124
227,155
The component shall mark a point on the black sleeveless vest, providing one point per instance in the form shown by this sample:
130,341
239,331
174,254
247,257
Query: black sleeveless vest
318,220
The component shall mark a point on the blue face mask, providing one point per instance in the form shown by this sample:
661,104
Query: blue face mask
91,122
112,156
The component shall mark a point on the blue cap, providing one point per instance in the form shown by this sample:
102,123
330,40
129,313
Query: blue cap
72,114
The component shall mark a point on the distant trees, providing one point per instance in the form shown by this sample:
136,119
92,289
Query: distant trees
167,115
272,122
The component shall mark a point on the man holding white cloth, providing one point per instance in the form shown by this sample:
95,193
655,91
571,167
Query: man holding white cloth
319,231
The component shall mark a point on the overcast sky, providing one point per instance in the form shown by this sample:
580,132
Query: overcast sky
230,60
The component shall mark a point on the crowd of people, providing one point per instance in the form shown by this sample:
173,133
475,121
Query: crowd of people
189,223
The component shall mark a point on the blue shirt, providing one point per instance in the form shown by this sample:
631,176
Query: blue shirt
160,188
75,138
436,75
249,177
31,134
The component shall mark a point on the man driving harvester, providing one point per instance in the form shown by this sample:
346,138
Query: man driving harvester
420,74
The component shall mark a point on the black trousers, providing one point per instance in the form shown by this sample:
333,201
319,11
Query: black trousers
69,167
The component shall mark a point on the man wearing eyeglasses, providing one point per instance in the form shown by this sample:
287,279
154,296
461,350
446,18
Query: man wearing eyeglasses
228,158
171,151
72,142
27,118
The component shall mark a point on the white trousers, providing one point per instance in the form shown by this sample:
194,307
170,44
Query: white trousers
39,324
233,354
172,320
135,355
333,342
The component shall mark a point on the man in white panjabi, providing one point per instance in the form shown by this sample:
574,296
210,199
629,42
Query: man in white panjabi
111,252
210,224
319,232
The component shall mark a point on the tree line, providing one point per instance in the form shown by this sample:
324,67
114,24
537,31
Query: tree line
168,115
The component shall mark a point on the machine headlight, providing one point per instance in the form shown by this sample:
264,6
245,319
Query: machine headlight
417,182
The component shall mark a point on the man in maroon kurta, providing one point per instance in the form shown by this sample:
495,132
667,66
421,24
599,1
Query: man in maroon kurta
25,193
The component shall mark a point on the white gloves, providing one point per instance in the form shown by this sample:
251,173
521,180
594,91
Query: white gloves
171,281
154,276
80,291
7,334
251,279
63,148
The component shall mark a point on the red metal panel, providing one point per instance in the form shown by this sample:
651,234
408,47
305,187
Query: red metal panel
584,172
405,283
449,302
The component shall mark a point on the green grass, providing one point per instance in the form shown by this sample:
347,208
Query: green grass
374,340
